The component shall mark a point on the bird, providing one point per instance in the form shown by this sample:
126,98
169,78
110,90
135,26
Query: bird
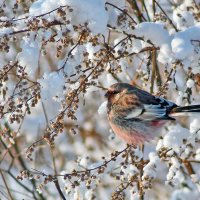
137,116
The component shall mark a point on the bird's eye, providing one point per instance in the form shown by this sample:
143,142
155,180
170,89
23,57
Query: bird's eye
114,92
110,93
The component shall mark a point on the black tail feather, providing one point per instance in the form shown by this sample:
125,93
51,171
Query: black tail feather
192,108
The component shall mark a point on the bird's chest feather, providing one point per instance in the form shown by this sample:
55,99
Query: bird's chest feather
135,131
131,136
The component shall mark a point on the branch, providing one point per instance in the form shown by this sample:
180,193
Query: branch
122,10
7,188
58,188
170,21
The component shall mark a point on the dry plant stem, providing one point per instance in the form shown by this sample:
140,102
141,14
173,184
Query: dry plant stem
123,11
86,170
165,83
24,186
39,27
59,189
35,143
154,64
154,7
188,166
7,188
36,16
55,180
11,67
170,21
7,151
77,92
123,188
196,6
158,76
135,7
140,186
93,69
71,50
141,51
24,166
55,172
144,5
21,164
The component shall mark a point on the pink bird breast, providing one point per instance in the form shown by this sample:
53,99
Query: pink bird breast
133,137
140,134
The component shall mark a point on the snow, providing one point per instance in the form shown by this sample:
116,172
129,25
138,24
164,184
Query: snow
102,110
184,194
178,51
83,161
155,32
28,57
110,80
43,6
190,83
5,31
183,19
96,20
195,125
91,49
150,168
182,47
50,90
174,138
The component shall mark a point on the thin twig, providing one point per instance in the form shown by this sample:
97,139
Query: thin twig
135,7
58,188
123,11
153,75
7,188
188,166
170,21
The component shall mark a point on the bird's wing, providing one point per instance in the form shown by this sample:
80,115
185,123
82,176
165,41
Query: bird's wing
153,108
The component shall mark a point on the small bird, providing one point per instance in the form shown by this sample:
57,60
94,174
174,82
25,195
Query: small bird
136,115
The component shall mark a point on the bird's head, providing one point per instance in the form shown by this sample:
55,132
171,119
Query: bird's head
118,88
